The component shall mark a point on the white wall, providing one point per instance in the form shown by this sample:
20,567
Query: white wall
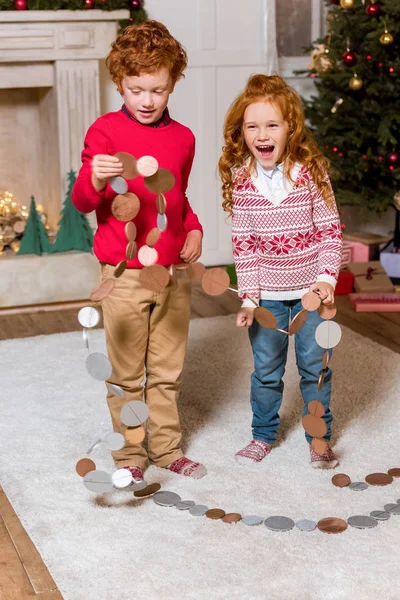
226,42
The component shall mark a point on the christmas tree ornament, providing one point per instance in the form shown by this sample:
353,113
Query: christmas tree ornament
386,38
89,3
20,4
338,103
356,83
373,9
349,58
393,157
347,4
334,1
321,61
136,4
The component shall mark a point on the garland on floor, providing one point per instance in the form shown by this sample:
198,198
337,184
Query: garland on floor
136,8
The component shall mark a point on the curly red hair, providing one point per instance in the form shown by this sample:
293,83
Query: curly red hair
300,146
145,48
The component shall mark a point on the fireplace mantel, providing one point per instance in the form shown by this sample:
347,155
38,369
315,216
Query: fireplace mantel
58,53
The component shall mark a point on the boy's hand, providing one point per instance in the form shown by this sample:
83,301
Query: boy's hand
191,250
245,317
104,168
324,290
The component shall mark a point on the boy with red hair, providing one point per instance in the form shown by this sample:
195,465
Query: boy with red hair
146,332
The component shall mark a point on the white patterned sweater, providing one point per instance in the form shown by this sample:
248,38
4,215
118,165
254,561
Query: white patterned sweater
281,249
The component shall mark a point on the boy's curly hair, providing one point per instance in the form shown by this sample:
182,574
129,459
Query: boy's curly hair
300,146
145,48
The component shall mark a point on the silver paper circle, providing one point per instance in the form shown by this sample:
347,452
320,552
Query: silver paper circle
98,366
114,441
278,523
166,498
88,317
116,390
358,486
185,505
99,482
362,522
393,509
119,185
328,334
162,222
134,413
121,478
380,515
252,520
306,525
198,510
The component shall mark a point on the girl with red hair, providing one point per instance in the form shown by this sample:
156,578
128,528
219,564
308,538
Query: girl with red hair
287,241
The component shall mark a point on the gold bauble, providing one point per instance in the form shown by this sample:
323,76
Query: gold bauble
386,39
356,83
347,3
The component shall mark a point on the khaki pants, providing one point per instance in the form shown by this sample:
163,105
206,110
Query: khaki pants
146,335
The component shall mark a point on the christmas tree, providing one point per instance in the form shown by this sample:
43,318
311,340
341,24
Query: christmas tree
356,114
35,240
74,231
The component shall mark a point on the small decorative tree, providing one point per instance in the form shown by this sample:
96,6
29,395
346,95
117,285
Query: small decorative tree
35,240
74,230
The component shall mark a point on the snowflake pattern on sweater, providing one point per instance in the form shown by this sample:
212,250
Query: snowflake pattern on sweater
287,247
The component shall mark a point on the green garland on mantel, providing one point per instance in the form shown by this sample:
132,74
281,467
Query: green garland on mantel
136,8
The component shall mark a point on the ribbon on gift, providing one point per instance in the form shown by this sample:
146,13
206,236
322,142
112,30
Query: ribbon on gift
370,273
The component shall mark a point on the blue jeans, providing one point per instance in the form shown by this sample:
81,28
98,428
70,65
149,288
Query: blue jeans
270,354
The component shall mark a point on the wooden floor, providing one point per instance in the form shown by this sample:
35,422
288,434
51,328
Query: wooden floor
22,571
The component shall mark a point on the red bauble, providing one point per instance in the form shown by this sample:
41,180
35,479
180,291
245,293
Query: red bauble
349,58
20,4
393,157
372,10
89,3
136,4
334,1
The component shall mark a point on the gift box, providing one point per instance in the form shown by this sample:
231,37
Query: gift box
347,254
375,302
365,246
370,277
390,261
345,283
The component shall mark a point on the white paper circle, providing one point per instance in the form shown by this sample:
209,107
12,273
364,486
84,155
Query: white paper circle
122,478
116,390
147,166
147,256
88,317
119,185
114,441
134,413
328,334
98,366
98,481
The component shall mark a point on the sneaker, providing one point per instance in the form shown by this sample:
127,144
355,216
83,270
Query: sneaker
188,468
254,453
323,461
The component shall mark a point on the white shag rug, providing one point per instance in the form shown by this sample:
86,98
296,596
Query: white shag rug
112,547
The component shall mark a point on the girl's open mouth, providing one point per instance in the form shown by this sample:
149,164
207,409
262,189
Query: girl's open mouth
266,151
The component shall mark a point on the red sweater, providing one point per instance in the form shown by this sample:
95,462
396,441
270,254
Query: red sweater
173,146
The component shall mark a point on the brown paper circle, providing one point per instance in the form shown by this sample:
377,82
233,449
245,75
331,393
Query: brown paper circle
310,301
125,206
265,318
84,466
147,256
332,525
161,204
341,480
131,250
102,290
147,491
320,446
161,182
130,231
394,472
215,513
321,381
232,518
147,166
325,360
327,311
120,268
196,271
316,408
152,237
379,479
298,322
215,281
154,278
129,163
314,426
135,435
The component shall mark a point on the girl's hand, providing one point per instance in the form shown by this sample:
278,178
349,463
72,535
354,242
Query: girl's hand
245,317
104,168
324,290
192,247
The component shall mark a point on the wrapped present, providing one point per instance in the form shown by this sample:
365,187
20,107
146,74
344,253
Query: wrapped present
365,245
370,277
345,283
390,261
347,254
375,302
